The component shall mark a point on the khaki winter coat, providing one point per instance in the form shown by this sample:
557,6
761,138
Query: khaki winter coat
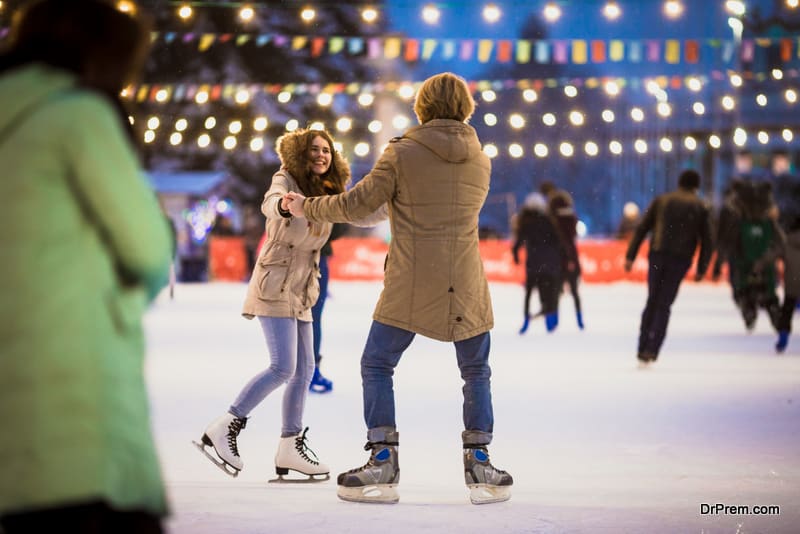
434,181
285,279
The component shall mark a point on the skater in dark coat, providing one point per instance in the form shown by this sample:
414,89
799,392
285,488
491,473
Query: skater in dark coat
544,257
677,222
791,283
562,209
757,243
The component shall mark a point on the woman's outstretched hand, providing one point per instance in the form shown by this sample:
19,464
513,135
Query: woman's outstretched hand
294,203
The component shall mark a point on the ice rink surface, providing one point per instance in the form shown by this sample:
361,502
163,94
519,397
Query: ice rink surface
594,444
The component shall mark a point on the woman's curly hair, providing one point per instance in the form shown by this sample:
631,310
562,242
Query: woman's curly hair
294,149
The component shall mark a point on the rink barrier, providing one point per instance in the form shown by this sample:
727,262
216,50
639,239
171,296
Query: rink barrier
362,258
602,260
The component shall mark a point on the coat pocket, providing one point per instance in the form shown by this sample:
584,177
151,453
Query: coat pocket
312,289
271,285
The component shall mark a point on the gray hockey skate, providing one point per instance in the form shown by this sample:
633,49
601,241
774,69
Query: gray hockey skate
221,436
375,481
486,483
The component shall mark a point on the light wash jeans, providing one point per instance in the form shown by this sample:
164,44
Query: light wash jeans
386,344
291,354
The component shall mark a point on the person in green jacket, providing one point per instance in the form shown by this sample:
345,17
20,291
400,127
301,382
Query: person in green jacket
83,249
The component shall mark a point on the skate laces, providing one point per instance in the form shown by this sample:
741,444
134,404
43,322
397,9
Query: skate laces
302,447
234,427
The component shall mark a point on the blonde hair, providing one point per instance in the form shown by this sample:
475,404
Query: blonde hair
444,96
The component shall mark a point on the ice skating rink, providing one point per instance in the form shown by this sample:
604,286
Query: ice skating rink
594,445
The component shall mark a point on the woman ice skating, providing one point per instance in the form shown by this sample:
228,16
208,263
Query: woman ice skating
434,180
283,288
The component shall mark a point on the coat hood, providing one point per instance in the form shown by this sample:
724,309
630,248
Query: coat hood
291,149
450,140
25,86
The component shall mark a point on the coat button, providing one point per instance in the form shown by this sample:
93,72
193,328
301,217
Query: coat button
450,290
291,246
458,319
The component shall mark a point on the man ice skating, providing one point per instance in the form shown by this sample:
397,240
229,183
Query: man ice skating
434,180
676,222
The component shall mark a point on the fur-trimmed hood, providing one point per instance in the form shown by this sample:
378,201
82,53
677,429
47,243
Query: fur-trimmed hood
292,149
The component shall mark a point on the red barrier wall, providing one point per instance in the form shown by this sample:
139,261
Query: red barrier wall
601,260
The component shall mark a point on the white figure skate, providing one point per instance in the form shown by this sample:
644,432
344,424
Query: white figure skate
294,455
221,437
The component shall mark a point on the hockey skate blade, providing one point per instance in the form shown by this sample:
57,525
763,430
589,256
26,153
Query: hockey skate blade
375,493
311,479
232,472
487,494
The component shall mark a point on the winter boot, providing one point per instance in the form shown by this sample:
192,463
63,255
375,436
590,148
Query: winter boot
551,321
375,481
294,454
486,483
525,324
221,436
319,384
579,317
783,341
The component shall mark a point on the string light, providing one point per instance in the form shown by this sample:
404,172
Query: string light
612,11
529,95
365,99
308,14
247,13
431,14
551,12
256,144
673,9
369,15
515,150
735,7
126,6
361,149
491,13
185,12
516,121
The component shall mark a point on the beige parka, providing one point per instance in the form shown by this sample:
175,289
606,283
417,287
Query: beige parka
285,279
434,180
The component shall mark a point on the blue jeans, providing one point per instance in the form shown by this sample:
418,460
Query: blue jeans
316,309
385,346
291,362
